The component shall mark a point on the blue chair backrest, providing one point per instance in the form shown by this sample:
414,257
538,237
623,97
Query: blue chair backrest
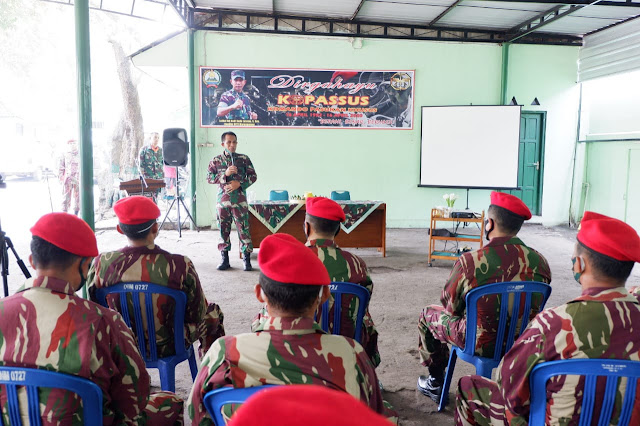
591,369
32,379
340,195
337,290
135,288
517,288
214,400
275,195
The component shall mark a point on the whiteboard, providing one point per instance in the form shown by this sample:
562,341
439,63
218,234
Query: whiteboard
470,146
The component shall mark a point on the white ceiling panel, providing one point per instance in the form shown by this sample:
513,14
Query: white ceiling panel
577,26
615,12
482,17
246,5
402,12
536,7
325,8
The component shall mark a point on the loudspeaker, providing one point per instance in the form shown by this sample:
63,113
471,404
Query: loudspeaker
175,147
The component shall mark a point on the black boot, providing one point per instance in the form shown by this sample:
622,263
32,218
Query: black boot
246,257
224,265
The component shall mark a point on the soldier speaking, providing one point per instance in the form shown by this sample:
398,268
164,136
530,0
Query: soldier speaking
233,173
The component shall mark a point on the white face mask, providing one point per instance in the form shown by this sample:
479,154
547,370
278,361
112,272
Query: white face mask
320,294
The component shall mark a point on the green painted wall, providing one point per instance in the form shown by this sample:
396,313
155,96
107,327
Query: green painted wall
384,164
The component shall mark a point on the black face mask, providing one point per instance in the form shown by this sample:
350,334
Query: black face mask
488,231
83,279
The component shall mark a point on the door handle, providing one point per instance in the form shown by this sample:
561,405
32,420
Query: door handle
537,164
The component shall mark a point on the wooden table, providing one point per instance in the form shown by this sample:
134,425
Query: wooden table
370,233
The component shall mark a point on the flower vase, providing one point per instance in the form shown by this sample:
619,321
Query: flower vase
447,211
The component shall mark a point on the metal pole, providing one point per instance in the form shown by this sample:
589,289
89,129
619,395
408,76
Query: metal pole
505,73
83,66
192,111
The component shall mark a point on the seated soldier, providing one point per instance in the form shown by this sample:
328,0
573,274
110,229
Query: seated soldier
46,326
322,224
601,323
142,260
297,405
289,347
504,258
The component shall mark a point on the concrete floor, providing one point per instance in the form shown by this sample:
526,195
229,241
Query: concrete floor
404,284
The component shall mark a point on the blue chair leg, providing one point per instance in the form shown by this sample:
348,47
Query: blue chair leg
167,376
193,365
453,356
484,370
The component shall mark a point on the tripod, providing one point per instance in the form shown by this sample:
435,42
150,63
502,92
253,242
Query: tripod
179,199
5,245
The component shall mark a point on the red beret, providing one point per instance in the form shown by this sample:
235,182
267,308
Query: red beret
136,210
325,208
68,232
284,259
511,203
309,405
609,236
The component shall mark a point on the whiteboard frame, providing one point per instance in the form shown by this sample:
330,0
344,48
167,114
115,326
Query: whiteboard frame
420,185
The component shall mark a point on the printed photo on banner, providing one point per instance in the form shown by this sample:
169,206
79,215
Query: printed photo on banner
233,97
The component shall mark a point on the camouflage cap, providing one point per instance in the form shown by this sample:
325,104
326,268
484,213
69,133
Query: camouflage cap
310,405
237,74
136,210
609,236
511,203
284,259
68,232
325,208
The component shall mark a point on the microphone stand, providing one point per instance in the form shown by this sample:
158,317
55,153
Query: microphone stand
143,183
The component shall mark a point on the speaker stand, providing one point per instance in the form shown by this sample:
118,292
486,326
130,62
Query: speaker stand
180,201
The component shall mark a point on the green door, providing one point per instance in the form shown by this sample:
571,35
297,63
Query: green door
530,160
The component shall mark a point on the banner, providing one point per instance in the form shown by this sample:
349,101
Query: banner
232,97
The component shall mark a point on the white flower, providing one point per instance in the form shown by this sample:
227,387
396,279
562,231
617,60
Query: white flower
446,197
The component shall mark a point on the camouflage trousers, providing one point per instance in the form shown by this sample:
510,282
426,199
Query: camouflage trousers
163,408
479,402
437,328
369,338
207,330
239,213
70,189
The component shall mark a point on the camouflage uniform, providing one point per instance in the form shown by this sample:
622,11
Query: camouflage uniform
501,260
602,323
230,97
233,205
203,320
287,351
45,325
151,163
343,267
69,175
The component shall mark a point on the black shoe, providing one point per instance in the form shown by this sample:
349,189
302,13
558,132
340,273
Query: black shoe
246,258
430,387
224,265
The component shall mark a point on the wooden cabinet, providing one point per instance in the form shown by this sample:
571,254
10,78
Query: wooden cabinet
458,233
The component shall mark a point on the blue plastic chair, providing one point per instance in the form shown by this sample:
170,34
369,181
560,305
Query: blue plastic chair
484,366
340,195
32,379
214,400
591,369
279,195
337,290
167,365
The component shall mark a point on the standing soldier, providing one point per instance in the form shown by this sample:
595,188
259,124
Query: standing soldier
143,260
233,173
505,258
150,161
290,347
601,323
69,175
46,325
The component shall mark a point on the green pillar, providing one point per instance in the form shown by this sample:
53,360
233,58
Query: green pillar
83,67
505,73
192,110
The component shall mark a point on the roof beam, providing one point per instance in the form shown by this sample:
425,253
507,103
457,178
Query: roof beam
355,13
626,3
540,20
446,11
